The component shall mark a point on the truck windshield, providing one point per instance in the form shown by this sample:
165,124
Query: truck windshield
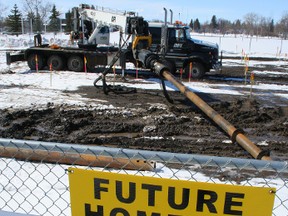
181,34
187,32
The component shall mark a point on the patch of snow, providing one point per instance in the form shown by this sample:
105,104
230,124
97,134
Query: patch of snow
227,141
153,138
263,143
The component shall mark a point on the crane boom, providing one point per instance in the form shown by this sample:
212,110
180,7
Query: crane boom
101,19
104,16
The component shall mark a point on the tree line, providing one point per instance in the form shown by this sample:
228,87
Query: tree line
253,24
40,16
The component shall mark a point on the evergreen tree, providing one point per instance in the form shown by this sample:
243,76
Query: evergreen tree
191,25
271,27
238,23
14,20
237,27
213,23
197,25
69,21
54,24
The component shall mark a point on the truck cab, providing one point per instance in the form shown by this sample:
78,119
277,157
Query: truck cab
195,57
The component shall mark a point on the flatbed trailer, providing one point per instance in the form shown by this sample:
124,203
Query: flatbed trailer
73,59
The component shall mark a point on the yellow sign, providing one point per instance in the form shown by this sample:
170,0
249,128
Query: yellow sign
95,193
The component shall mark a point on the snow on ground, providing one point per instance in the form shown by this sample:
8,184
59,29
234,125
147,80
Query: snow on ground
26,89
21,90
252,46
49,86
253,63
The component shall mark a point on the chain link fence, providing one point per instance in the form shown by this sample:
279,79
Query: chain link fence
34,178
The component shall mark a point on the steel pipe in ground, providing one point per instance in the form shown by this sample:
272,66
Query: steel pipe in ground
235,134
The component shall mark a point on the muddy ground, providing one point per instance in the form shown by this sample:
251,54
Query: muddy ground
146,120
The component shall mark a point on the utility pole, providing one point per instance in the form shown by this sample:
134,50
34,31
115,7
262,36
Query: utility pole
60,20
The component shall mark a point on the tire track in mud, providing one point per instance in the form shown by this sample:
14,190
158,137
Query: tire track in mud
152,125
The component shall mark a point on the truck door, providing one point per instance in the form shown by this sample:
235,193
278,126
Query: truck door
103,35
176,41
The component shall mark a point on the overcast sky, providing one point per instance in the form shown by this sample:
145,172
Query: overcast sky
184,10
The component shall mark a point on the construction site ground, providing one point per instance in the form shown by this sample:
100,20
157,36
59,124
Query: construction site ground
146,120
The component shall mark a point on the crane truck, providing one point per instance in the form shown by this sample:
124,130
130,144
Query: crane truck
92,29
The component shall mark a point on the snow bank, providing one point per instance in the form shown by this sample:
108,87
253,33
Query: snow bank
27,40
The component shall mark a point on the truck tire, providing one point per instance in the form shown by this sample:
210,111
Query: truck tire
197,72
32,61
75,63
56,61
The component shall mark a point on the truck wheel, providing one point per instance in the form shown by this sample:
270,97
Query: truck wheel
197,72
56,62
75,63
32,61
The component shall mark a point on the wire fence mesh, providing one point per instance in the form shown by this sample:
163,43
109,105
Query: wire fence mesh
34,179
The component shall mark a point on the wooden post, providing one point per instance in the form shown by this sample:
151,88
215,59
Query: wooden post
50,68
252,82
85,64
36,62
190,71
246,68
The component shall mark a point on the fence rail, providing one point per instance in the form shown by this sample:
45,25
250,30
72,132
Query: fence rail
34,178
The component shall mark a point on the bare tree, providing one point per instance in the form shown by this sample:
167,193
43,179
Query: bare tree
224,26
251,23
3,8
262,26
282,26
38,12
